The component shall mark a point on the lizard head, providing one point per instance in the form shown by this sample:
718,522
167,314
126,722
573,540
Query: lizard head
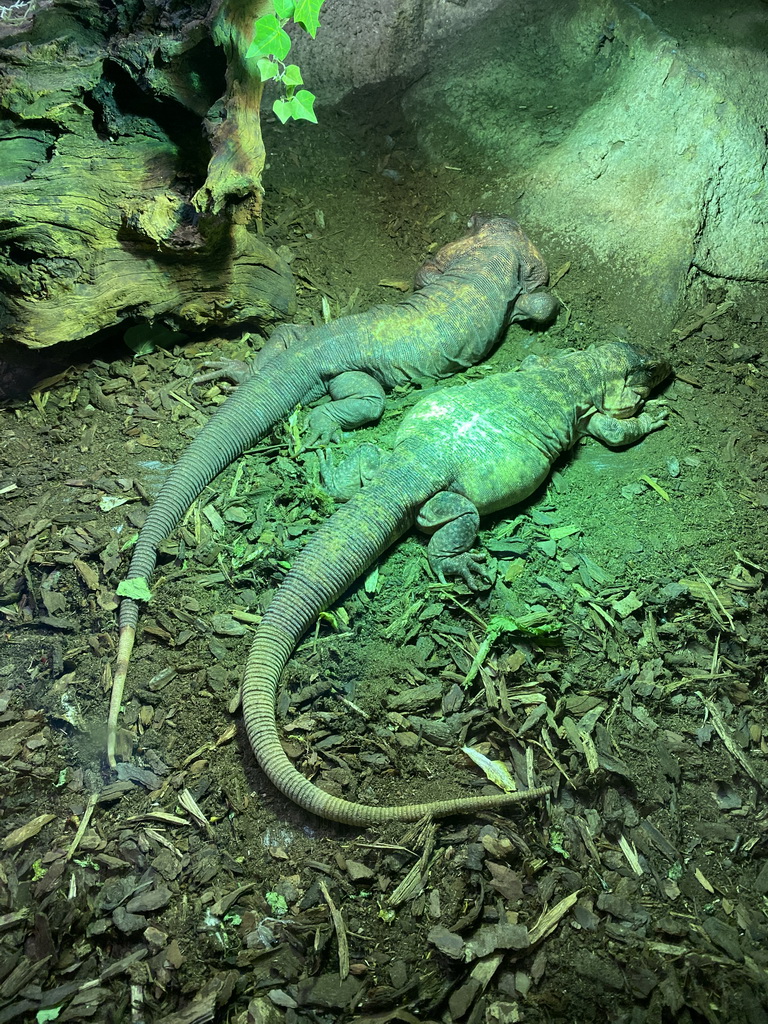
630,375
530,301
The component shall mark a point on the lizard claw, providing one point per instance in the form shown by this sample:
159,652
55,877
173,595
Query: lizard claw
321,428
327,470
470,566
346,480
655,415
233,370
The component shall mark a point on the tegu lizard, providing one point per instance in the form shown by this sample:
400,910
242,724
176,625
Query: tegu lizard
466,294
460,453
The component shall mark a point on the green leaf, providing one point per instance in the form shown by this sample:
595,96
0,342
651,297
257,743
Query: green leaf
299,107
496,771
307,15
277,903
129,541
281,111
269,39
292,75
144,338
283,8
42,1016
556,839
136,589
267,68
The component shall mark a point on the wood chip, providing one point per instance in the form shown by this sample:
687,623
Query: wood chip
723,732
24,832
339,928
401,286
550,919
703,882
559,274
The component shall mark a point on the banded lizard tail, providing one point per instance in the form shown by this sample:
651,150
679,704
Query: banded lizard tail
466,294
460,453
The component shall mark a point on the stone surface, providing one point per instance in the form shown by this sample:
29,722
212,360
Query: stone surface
362,42
638,153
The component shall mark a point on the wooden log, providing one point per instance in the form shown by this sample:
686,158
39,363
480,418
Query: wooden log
234,172
97,175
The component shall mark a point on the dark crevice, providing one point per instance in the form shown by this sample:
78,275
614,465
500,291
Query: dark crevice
124,105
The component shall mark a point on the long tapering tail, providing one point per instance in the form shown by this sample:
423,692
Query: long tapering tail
338,553
247,415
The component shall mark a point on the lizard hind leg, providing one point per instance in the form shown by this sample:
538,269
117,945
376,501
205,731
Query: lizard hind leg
283,337
355,471
357,398
238,370
453,522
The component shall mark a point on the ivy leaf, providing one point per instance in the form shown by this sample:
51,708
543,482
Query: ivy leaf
269,39
281,109
307,15
299,107
136,589
283,8
302,106
267,68
292,75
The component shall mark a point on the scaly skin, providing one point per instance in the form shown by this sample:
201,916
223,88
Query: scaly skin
459,453
467,294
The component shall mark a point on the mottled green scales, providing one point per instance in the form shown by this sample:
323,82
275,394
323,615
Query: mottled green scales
461,452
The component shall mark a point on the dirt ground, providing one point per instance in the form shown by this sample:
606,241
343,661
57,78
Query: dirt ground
183,888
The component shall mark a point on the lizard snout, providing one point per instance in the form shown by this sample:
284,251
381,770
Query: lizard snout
541,307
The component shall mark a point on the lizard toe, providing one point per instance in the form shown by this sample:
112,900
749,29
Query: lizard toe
233,370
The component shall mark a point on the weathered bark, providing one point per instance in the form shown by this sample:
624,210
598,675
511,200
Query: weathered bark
101,153
235,169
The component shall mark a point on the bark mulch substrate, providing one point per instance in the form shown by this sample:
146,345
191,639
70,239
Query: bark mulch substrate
619,657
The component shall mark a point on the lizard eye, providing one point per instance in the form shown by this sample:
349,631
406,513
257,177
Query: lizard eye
646,376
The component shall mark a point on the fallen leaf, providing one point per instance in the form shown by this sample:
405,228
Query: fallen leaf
388,282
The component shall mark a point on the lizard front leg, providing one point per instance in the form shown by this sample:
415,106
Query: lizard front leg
357,399
453,522
616,432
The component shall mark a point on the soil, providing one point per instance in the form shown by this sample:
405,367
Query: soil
628,672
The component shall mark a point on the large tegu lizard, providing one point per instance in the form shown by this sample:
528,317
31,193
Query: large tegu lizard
460,453
466,295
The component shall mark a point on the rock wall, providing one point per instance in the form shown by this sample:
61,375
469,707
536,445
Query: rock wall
637,152
362,42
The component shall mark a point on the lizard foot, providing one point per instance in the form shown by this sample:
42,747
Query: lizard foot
469,565
321,427
654,416
233,370
357,398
